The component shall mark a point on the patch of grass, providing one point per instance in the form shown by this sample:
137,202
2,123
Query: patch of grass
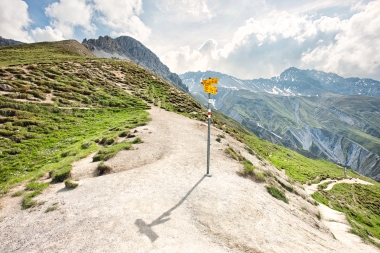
109,152
297,167
234,154
250,151
69,184
36,186
28,202
17,194
287,187
103,169
61,174
320,198
324,185
277,193
361,205
51,208
137,141
86,145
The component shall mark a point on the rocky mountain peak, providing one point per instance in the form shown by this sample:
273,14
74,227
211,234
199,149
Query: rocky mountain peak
128,48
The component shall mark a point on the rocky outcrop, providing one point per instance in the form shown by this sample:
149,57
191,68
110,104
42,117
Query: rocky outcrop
128,48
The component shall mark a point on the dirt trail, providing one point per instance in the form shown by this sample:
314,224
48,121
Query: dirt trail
334,220
160,201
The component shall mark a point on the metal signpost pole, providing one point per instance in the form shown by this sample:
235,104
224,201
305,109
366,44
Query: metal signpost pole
208,137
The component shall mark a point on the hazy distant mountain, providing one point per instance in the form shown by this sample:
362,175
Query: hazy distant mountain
9,42
292,82
319,114
125,47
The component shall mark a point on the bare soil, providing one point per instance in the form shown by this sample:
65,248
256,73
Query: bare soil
158,200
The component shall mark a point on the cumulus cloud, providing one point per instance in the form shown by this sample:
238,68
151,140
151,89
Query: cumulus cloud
14,20
356,49
265,47
122,17
197,8
65,16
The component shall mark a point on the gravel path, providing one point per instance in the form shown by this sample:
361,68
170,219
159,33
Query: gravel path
160,201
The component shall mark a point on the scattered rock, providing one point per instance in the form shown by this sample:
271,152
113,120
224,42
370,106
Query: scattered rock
5,87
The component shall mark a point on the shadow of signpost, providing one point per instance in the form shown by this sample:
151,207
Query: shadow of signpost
147,228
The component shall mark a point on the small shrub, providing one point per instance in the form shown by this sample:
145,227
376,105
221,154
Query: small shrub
68,153
103,140
103,169
259,176
234,154
319,215
249,150
28,201
313,202
137,140
61,174
86,145
109,141
284,185
218,139
70,184
277,193
17,194
124,134
51,208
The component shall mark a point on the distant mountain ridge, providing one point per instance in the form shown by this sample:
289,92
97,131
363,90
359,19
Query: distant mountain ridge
292,82
126,47
318,114
9,42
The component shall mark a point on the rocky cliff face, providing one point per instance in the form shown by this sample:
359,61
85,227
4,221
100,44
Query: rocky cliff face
125,47
317,114
9,42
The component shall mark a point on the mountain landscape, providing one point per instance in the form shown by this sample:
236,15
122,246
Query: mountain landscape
100,154
318,114
128,48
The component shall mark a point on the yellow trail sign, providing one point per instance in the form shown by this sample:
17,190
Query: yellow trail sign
210,89
208,85
210,81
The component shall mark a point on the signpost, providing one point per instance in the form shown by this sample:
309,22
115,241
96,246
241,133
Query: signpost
210,89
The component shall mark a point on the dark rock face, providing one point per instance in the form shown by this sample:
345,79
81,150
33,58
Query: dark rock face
9,42
126,47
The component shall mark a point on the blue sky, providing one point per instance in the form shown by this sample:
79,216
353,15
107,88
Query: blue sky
246,39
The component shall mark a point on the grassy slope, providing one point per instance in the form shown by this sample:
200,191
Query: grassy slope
89,106
88,103
360,203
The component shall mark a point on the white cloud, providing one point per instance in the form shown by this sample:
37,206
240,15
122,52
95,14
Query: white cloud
197,8
65,16
356,49
47,34
265,47
14,20
122,17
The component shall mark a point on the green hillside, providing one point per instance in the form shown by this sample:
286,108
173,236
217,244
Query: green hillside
53,113
59,104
